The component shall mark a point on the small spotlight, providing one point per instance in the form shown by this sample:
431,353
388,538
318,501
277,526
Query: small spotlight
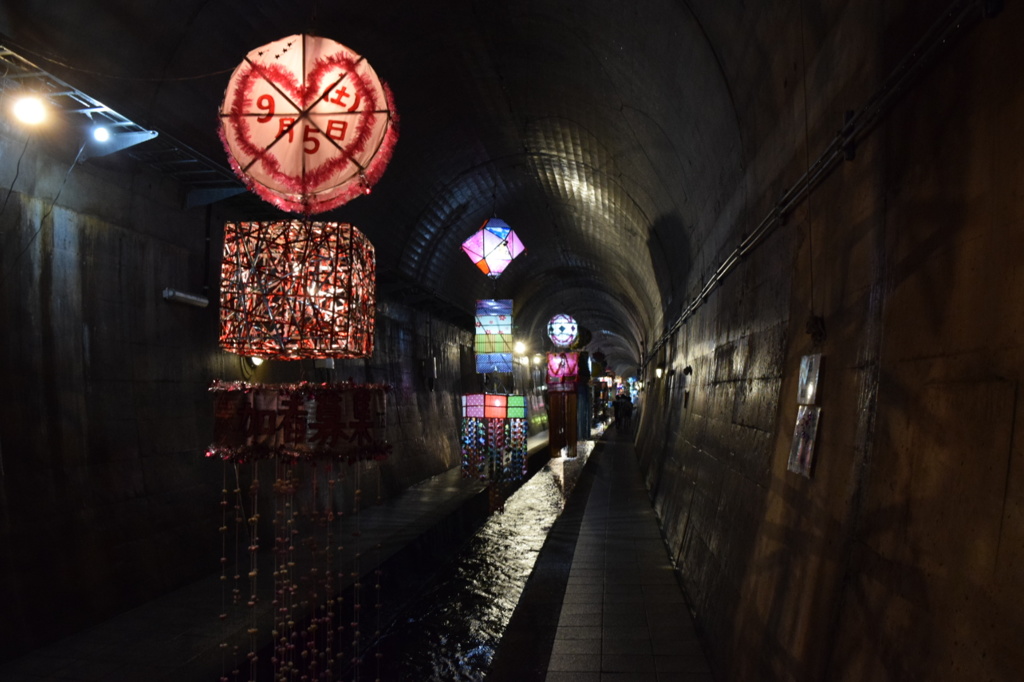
30,109
255,362
519,348
100,134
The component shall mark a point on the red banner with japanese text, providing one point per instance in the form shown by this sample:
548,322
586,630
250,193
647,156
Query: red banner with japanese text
307,421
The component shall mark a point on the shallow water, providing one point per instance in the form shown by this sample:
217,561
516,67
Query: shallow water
450,632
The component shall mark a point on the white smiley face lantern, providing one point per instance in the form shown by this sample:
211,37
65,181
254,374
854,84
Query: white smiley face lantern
562,330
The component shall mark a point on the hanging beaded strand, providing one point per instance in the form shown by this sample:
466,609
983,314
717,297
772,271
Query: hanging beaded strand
329,622
284,581
518,448
241,532
223,616
340,635
254,546
377,602
356,585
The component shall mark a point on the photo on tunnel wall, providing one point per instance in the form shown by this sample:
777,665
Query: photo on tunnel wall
807,390
801,453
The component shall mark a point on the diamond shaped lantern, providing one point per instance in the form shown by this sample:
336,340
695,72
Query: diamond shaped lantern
493,247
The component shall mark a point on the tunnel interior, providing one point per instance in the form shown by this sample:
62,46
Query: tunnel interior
713,190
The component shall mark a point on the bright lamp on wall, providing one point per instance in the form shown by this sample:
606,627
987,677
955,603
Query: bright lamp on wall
29,109
41,98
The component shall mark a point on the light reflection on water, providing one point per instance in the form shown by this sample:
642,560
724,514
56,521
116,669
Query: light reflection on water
450,632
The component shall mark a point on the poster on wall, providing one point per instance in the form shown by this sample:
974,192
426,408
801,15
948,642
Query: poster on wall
810,369
801,452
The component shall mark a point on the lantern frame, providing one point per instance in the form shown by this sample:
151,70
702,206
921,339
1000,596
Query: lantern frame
493,247
307,124
563,330
563,371
293,289
493,341
494,436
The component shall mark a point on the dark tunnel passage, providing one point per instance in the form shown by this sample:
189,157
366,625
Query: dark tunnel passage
788,231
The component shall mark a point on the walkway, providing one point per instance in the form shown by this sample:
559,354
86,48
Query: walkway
603,602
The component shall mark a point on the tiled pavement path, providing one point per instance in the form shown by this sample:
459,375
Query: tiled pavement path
603,603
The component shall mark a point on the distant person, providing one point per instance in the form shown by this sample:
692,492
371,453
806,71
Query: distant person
623,411
627,412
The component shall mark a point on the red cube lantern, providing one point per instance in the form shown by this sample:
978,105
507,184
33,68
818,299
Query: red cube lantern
294,289
496,407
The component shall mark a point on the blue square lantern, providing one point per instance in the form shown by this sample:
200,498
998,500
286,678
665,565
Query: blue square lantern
493,343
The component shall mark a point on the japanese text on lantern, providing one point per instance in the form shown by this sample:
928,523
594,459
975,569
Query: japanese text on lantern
343,421
307,123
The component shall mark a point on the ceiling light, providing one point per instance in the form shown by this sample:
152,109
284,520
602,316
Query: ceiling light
100,134
30,109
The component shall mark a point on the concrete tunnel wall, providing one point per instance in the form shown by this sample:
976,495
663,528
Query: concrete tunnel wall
900,558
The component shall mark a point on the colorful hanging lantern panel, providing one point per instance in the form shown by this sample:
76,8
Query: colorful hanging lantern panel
563,371
493,247
493,342
307,124
494,431
562,330
293,289
343,422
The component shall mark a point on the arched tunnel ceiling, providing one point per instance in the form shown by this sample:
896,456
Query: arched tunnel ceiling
599,131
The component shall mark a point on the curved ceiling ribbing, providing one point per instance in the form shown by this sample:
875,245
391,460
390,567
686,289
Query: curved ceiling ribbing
600,131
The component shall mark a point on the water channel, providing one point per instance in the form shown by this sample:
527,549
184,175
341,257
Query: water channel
451,630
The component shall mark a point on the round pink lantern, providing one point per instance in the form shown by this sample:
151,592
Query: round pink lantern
307,124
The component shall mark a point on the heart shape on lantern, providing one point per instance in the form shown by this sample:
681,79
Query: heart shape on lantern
307,129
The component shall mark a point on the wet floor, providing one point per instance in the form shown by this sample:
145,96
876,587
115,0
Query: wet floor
451,630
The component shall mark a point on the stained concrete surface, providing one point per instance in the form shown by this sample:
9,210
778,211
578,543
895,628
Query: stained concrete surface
604,602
